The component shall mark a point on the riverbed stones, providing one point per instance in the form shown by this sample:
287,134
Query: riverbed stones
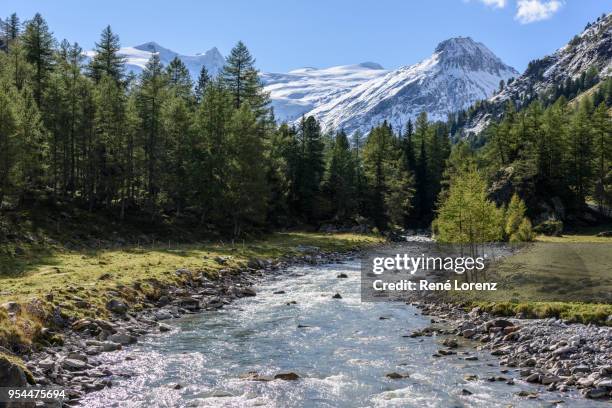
247,292
73,364
342,276
550,352
450,343
117,306
122,338
337,296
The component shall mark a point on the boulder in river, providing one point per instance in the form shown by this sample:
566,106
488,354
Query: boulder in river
337,296
287,376
396,376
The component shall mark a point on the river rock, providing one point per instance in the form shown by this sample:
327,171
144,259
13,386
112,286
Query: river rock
287,376
122,338
247,292
162,314
116,306
342,276
450,342
337,296
73,364
396,376
596,393
164,327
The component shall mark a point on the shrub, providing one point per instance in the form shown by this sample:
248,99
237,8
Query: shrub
550,228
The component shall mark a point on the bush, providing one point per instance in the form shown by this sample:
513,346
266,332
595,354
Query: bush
550,228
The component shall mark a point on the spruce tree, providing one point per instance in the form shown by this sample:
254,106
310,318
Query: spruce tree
107,60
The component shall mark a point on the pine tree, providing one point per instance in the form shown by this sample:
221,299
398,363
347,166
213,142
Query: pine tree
340,182
179,79
107,60
8,142
33,142
602,129
38,44
151,96
210,152
422,204
11,28
247,191
581,153
311,167
408,147
111,143
242,80
203,81
389,184
176,123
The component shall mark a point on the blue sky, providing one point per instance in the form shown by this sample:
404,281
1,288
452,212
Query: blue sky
287,34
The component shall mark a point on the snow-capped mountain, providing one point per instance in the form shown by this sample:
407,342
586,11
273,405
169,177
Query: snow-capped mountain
591,48
138,56
460,72
302,90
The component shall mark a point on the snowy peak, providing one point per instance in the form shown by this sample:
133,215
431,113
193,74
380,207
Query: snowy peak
138,56
301,90
458,73
464,52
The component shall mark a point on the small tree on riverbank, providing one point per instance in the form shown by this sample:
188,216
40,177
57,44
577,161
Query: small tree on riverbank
466,215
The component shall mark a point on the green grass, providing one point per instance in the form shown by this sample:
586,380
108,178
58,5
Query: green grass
65,278
569,279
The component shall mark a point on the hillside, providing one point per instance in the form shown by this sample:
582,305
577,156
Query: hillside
590,50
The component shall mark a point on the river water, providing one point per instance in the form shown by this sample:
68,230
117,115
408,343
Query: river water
342,358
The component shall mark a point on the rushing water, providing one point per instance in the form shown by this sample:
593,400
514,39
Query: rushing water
342,358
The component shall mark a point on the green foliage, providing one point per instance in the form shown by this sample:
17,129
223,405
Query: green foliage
466,215
517,226
106,59
242,79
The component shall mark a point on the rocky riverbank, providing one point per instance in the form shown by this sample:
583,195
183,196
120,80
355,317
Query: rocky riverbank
553,353
75,366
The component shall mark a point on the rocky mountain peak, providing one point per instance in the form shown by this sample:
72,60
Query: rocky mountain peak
465,53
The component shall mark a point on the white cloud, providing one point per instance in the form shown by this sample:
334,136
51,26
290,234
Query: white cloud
529,11
494,3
